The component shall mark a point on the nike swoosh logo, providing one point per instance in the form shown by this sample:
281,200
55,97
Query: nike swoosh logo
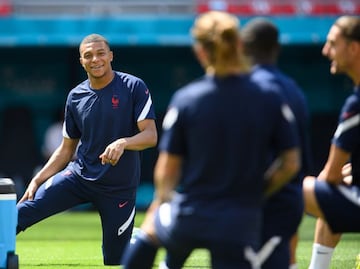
121,205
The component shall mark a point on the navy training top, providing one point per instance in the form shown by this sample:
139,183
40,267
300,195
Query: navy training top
98,118
223,130
271,78
347,134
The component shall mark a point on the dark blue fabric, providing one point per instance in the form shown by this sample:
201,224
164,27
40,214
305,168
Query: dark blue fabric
284,210
223,131
99,117
66,190
223,128
342,215
347,135
139,255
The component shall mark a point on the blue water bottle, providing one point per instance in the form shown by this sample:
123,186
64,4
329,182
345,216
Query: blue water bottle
8,222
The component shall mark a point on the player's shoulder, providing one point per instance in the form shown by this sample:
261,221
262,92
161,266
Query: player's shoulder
352,102
194,88
264,77
124,75
354,97
81,88
129,80
261,72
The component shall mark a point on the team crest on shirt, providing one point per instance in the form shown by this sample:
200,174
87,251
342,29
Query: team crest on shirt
115,101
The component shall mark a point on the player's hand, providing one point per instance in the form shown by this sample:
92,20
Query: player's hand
346,173
30,192
113,152
346,170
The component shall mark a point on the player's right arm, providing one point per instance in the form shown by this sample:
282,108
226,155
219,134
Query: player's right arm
58,160
333,171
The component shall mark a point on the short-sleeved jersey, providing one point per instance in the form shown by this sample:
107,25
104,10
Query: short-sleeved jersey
223,129
347,134
98,118
270,77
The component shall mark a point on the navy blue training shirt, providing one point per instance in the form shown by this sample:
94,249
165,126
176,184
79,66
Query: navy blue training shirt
270,77
347,135
223,130
98,118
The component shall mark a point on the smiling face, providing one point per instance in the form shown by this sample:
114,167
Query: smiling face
337,49
96,57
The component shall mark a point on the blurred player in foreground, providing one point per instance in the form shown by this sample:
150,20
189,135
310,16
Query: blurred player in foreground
261,44
213,151
112,114
334,196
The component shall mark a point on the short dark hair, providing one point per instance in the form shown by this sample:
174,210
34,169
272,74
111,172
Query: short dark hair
260,38
94,38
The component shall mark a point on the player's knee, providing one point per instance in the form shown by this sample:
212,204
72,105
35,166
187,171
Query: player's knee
308,185
310,201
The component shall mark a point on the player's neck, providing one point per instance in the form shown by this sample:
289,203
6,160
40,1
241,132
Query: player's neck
98,83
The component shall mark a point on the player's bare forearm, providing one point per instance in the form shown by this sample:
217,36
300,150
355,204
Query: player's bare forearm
333,170
58,160
146,138
282,170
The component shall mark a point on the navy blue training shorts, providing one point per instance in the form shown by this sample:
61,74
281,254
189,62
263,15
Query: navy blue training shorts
340,205
180,232
66,190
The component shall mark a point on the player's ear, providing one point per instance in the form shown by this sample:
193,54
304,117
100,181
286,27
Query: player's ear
354,48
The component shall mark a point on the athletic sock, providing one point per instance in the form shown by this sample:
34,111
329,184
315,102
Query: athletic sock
140,254
321,257
163,265
293,266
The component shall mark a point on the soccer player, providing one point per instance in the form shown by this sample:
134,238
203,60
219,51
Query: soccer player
112,114
261,45
209,176
334,196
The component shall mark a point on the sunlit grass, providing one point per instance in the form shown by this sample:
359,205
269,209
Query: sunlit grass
73,240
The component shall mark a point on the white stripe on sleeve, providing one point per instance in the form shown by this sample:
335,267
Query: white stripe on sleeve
145,110
64,133
346,125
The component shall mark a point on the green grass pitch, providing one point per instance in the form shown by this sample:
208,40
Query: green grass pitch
73,240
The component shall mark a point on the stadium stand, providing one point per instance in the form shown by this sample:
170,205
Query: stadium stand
241,7
282,7
101,8
5,8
